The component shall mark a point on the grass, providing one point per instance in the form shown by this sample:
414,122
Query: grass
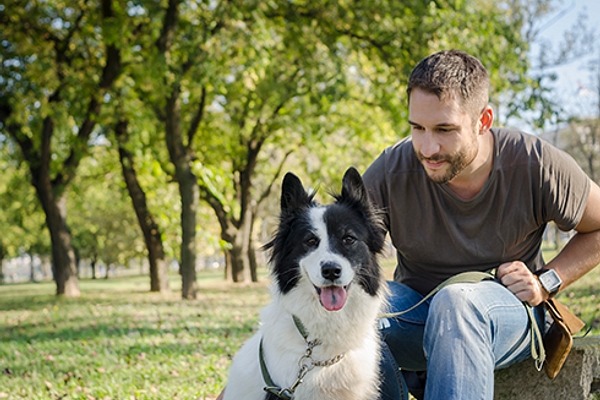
118,341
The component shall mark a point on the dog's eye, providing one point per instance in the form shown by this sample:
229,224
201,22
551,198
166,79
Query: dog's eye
349,239
312,241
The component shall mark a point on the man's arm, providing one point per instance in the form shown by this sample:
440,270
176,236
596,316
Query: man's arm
582,252
579,256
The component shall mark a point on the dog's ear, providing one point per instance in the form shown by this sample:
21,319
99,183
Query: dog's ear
353,187
354,192
293,195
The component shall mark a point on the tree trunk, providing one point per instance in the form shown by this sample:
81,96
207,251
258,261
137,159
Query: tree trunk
181,157
239,261
188,190
252,261
2,255
159,279
241,253
64,266
47,266
93,266
31,269
243,264
227,270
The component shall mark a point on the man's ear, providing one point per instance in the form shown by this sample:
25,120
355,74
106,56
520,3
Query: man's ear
486,119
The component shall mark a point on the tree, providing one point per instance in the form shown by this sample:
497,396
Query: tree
104,229
57,68
260,114
533,99
302,76
21,218
236,90
581,136
159,279
174,89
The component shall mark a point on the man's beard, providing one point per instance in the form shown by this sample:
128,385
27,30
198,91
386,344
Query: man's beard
456,163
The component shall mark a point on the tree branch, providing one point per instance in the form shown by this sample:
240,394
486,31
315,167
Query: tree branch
266,193
165,40
110,72
219,209
196,119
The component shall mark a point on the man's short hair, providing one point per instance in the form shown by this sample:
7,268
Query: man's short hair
453,74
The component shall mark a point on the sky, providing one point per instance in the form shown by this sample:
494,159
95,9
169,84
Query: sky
574,84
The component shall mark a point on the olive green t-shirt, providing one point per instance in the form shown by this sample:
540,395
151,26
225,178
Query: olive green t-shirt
437,234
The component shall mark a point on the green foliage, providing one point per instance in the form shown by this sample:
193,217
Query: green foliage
258,86
104,228
53,58
21,218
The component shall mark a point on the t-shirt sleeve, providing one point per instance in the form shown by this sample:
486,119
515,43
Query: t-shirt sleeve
565,188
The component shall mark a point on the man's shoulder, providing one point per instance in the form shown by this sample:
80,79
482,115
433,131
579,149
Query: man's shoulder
400,156
515,137
395,162
515,146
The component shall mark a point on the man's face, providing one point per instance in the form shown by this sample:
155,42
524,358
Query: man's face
444,136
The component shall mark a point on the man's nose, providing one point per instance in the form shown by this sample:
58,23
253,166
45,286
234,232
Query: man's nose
429,146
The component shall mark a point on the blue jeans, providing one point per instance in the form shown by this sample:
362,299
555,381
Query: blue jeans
460,336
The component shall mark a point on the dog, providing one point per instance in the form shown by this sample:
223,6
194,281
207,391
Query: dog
318,338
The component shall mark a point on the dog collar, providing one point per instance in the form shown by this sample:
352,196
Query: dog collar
306,364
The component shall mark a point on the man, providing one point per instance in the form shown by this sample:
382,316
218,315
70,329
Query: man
459,195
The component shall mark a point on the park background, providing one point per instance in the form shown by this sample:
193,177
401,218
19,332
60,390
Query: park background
142,144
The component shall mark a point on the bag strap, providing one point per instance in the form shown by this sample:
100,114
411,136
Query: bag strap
560,312
538,352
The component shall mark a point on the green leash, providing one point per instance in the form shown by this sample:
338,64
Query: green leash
537,345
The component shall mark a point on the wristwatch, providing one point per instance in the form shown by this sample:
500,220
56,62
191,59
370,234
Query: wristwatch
549,280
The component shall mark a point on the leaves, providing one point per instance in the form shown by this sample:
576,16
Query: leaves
250,88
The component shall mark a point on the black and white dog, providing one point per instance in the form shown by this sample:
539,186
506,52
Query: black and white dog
318,337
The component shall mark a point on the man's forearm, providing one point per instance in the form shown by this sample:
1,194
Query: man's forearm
580,255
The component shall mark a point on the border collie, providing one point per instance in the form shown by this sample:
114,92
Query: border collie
318,338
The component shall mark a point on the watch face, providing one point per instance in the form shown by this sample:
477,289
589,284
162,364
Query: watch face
550,281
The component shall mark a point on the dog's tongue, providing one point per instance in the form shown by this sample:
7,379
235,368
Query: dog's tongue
333,298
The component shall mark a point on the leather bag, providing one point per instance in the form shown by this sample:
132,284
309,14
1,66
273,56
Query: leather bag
559,338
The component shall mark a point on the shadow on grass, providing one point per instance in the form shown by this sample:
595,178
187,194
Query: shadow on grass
114,310
84,331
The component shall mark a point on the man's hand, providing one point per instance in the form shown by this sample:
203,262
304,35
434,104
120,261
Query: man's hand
518,279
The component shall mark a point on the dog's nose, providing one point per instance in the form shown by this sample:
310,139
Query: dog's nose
331,271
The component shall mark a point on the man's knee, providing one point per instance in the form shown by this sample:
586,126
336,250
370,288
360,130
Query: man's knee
458,299
455,309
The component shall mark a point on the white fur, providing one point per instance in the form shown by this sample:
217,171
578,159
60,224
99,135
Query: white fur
350,331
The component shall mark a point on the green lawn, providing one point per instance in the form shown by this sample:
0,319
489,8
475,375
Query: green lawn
118,341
